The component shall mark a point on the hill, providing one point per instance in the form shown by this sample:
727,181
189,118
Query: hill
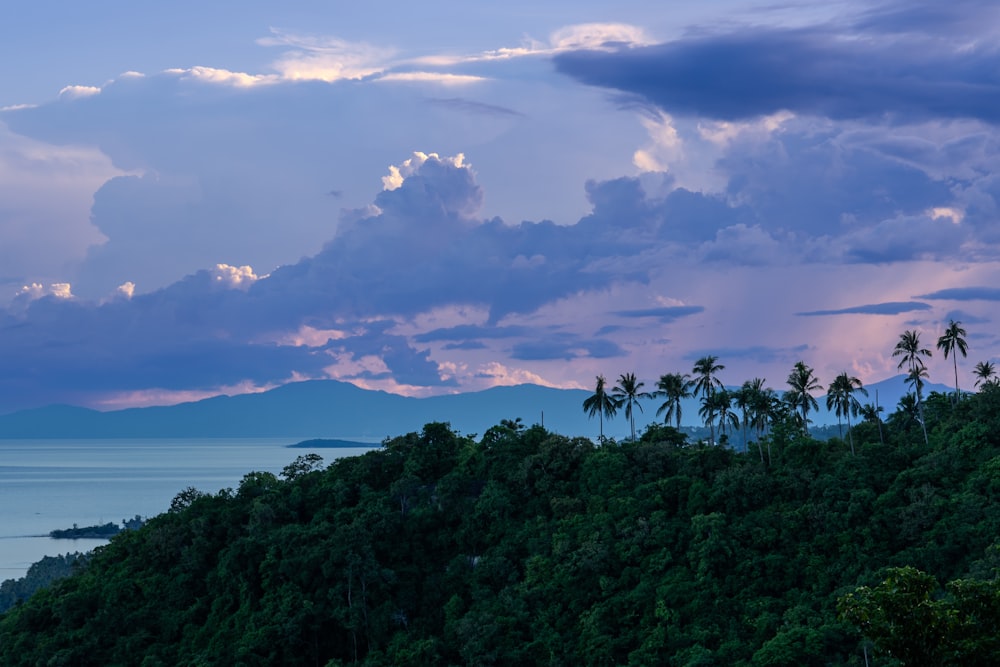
531,548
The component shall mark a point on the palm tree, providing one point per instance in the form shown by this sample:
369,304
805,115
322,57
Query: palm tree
910,353
763,402
840,397
674,387
915,378
627,393
601,404
750,401
723,403
744,402
986,372
908,348
802,380
870,413
708,412
907,407
953,342
704,370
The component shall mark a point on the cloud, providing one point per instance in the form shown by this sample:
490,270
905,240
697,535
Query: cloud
498,375
79,91
664,314
758,353
815,70
235,277
222,77
474,107
977,293
598,36
37,291
320,58
442,78
890,308
566,347
471,332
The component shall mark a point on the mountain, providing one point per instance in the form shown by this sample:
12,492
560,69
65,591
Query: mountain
331,409
317,408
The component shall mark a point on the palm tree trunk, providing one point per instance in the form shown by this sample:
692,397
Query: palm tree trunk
954,358
920,411
881,439
850,436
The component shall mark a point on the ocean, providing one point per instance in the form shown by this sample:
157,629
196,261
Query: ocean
52,484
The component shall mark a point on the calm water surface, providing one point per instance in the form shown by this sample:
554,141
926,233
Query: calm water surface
51,484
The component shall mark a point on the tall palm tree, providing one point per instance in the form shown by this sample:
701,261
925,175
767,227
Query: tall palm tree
840,397
627,392
749,400
600,403
802,380
704,370
909,350
708,412
870,413
952,342
723,401
915,378
673,387
763,402
744,402
986,372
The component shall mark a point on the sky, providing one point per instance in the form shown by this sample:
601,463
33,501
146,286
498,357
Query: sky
442,197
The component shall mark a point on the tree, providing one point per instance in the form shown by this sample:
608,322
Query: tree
870,413
765,405
909,619
986,372
704,370
750,401
600,403
909,350
627,392
723,401
673,387
708,412
802,380
840,397
915,378
953,342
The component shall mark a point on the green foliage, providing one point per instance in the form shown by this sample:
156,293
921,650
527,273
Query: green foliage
528,547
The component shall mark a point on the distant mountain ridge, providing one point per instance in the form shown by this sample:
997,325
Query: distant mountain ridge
332,409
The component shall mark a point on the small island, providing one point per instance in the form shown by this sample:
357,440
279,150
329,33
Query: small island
104,532
327,443
101,532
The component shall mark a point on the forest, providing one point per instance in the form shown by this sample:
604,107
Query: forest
524,546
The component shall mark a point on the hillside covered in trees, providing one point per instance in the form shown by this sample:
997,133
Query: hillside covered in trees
528,547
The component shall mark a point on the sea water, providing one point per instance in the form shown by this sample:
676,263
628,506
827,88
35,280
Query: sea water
53,484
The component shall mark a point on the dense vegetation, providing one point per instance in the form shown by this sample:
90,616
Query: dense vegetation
529,547
39,576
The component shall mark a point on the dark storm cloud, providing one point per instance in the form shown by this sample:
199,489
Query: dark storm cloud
665,313
567,347
964,294
889,308
965,318
757,353
814,71
470,332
